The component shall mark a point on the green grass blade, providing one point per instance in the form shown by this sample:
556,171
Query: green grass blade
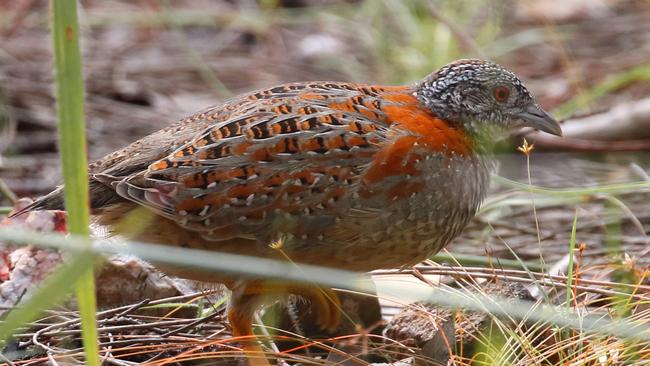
616,188
72,146
470,260
572,249
256,267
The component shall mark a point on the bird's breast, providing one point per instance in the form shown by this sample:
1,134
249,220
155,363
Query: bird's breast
420,213
417,193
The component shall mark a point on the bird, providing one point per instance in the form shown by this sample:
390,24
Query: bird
347,175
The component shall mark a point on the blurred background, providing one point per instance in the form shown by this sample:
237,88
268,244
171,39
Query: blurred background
148,62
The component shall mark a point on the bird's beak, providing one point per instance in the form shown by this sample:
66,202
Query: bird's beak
535,117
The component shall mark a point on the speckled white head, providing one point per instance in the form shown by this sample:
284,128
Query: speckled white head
476,95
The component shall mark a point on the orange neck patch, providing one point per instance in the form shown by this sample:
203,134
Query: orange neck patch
431,132
417,127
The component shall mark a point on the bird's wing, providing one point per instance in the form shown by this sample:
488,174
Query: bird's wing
289,158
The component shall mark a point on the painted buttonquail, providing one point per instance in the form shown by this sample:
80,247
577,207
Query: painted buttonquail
352,176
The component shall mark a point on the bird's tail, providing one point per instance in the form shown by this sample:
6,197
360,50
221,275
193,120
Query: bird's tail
101,195
51,201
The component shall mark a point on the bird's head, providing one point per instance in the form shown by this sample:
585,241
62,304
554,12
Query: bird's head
482,96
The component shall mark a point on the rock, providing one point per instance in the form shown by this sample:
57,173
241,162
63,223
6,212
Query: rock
23,268
119,281
424,327
435,330
129,280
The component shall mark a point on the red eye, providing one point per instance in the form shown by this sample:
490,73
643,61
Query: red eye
501,93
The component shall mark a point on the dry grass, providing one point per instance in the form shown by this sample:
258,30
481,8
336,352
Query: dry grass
148,63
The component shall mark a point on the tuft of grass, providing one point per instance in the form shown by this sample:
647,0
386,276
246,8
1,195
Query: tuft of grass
479,260
409,39
309,274
72,146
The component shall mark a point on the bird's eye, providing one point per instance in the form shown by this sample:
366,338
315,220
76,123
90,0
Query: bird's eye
501,93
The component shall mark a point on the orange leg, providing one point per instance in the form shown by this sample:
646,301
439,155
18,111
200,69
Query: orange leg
248,296
241,309
326,302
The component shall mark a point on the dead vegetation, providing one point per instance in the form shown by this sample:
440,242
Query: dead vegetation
148,63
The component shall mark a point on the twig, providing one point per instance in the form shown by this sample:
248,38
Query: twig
640,171
521,276
133,308
5,359
192,324
574,144
50,358
117,362
265,332
622,128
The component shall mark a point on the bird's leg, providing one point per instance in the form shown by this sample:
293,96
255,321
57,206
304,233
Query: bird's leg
327,305
248,296
326,302
244,301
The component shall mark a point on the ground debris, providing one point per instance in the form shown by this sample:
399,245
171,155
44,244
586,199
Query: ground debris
436,331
